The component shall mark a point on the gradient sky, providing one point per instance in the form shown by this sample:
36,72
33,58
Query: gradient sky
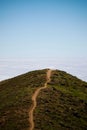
44,29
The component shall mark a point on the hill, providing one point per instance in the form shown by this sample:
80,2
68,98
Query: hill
15,99
62,105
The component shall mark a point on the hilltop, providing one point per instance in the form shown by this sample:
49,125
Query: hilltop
62,105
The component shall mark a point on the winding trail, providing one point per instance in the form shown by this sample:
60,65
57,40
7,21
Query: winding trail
34,99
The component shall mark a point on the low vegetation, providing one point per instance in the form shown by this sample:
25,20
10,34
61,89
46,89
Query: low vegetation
15,99
62,106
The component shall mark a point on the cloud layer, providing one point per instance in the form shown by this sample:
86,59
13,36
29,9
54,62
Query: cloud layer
10,68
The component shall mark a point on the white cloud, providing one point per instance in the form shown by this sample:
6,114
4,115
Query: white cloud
10,68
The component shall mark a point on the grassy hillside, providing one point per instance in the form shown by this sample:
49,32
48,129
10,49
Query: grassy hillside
15,99
62,106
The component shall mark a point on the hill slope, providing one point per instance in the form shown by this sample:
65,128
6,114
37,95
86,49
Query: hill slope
63,105
15,99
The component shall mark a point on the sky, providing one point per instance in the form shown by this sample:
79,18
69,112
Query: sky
43,33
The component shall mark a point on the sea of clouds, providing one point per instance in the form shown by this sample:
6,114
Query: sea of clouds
12,67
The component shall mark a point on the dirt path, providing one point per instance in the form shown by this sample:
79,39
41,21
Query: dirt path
34,99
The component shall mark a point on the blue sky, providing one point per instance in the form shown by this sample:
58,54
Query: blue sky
43,29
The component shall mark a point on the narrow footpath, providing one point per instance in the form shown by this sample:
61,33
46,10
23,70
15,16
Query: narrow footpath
34,100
